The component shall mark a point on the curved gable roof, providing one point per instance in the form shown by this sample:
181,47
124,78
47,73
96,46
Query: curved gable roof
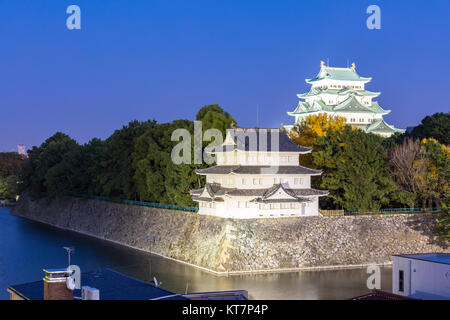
256,139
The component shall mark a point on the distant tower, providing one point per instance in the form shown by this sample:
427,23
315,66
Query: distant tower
21,149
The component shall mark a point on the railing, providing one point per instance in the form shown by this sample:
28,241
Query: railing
323,212
142,203
391,211
331,212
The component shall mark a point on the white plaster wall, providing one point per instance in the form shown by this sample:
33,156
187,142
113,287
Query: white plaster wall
246,158
330,83
258,181
231,209
421,277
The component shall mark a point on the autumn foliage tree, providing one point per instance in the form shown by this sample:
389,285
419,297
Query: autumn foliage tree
312,127
421,170
354,169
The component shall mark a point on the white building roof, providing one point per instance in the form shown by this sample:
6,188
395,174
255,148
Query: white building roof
432,257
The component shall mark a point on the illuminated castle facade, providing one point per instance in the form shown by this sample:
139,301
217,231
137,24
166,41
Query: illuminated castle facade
258,176
341,92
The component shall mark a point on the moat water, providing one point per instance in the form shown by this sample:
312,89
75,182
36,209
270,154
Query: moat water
26,247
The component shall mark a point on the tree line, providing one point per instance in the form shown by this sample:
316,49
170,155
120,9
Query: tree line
134,163
10,168
365,171
361,171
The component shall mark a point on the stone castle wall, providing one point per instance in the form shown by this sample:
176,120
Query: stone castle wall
227,245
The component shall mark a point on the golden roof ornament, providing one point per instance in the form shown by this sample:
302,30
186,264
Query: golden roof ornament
353,66
322,64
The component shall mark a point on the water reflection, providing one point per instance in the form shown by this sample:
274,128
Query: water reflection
26,247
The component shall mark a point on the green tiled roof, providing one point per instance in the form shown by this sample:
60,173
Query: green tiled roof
344,74
351,104
380,126
317,91
376,107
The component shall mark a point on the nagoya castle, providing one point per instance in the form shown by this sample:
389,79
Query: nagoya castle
341,92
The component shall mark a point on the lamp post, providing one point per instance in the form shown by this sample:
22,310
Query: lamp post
151,240
69,251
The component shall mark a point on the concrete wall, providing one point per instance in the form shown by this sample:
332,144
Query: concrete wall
227,245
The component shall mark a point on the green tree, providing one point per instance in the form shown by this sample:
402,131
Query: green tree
43,175
179,180
354,165
8,187
213,116
117,174
10,163
443,221
436,126
157,178
437,174
10,168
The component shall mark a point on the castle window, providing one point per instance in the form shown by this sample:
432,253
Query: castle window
242,204
298,181
257,181
244,181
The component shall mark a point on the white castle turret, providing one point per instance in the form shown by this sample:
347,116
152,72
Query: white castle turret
258,176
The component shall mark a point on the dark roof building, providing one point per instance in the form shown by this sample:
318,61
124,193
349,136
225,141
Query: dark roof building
258,176
257,139
111,285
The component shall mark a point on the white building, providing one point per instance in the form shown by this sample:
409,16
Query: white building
341,92
422,276
258,176
21,149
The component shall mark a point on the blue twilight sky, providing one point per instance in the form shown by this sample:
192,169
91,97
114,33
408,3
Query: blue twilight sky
165,59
